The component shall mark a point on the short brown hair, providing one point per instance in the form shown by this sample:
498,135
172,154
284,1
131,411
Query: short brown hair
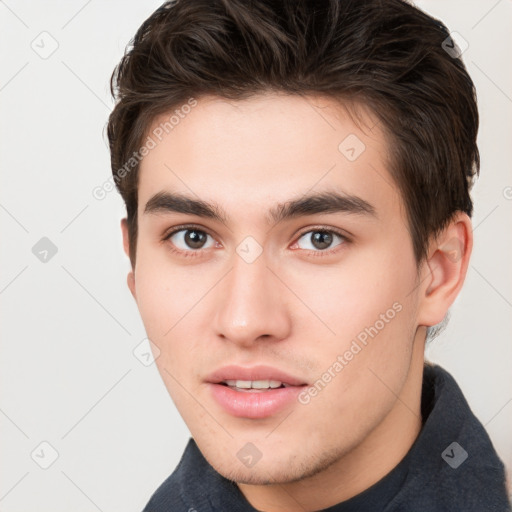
387,55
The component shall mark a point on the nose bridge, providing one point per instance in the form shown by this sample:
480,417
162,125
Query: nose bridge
249,304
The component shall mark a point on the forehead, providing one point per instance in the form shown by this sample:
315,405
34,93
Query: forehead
260,151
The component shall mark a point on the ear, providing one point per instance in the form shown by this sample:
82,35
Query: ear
130,279
444,271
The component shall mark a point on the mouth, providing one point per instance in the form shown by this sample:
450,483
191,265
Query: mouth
256,392
254,386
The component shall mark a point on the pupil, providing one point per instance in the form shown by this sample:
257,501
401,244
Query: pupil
195,239
321,239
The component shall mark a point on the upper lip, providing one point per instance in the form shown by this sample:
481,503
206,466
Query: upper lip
252,373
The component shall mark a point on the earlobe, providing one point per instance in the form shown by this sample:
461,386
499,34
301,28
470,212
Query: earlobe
130,278
130,281
445,269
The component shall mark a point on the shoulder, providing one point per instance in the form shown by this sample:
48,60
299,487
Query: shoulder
167,496
191,487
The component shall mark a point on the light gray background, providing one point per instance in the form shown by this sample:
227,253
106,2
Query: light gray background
69,326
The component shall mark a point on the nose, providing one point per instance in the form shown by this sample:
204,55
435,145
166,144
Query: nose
251,304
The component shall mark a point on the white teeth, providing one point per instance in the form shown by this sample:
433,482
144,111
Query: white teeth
263,384
254,384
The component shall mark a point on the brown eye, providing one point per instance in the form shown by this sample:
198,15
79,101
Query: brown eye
320,240
187,239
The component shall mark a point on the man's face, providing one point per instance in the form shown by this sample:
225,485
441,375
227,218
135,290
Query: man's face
298,295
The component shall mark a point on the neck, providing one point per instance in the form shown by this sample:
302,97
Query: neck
365,465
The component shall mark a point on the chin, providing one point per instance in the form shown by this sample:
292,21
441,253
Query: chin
278,469
260,475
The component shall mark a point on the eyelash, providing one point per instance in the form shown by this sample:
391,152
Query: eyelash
315,229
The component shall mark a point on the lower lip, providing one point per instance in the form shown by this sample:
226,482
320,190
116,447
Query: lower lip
254,404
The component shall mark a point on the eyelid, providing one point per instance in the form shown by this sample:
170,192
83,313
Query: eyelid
175,229
330,229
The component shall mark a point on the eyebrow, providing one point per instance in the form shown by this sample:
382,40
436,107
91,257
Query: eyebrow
316,203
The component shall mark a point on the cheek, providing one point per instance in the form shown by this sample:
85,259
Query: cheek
166,301
155,299
364,289
166,293
170,299
370,311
